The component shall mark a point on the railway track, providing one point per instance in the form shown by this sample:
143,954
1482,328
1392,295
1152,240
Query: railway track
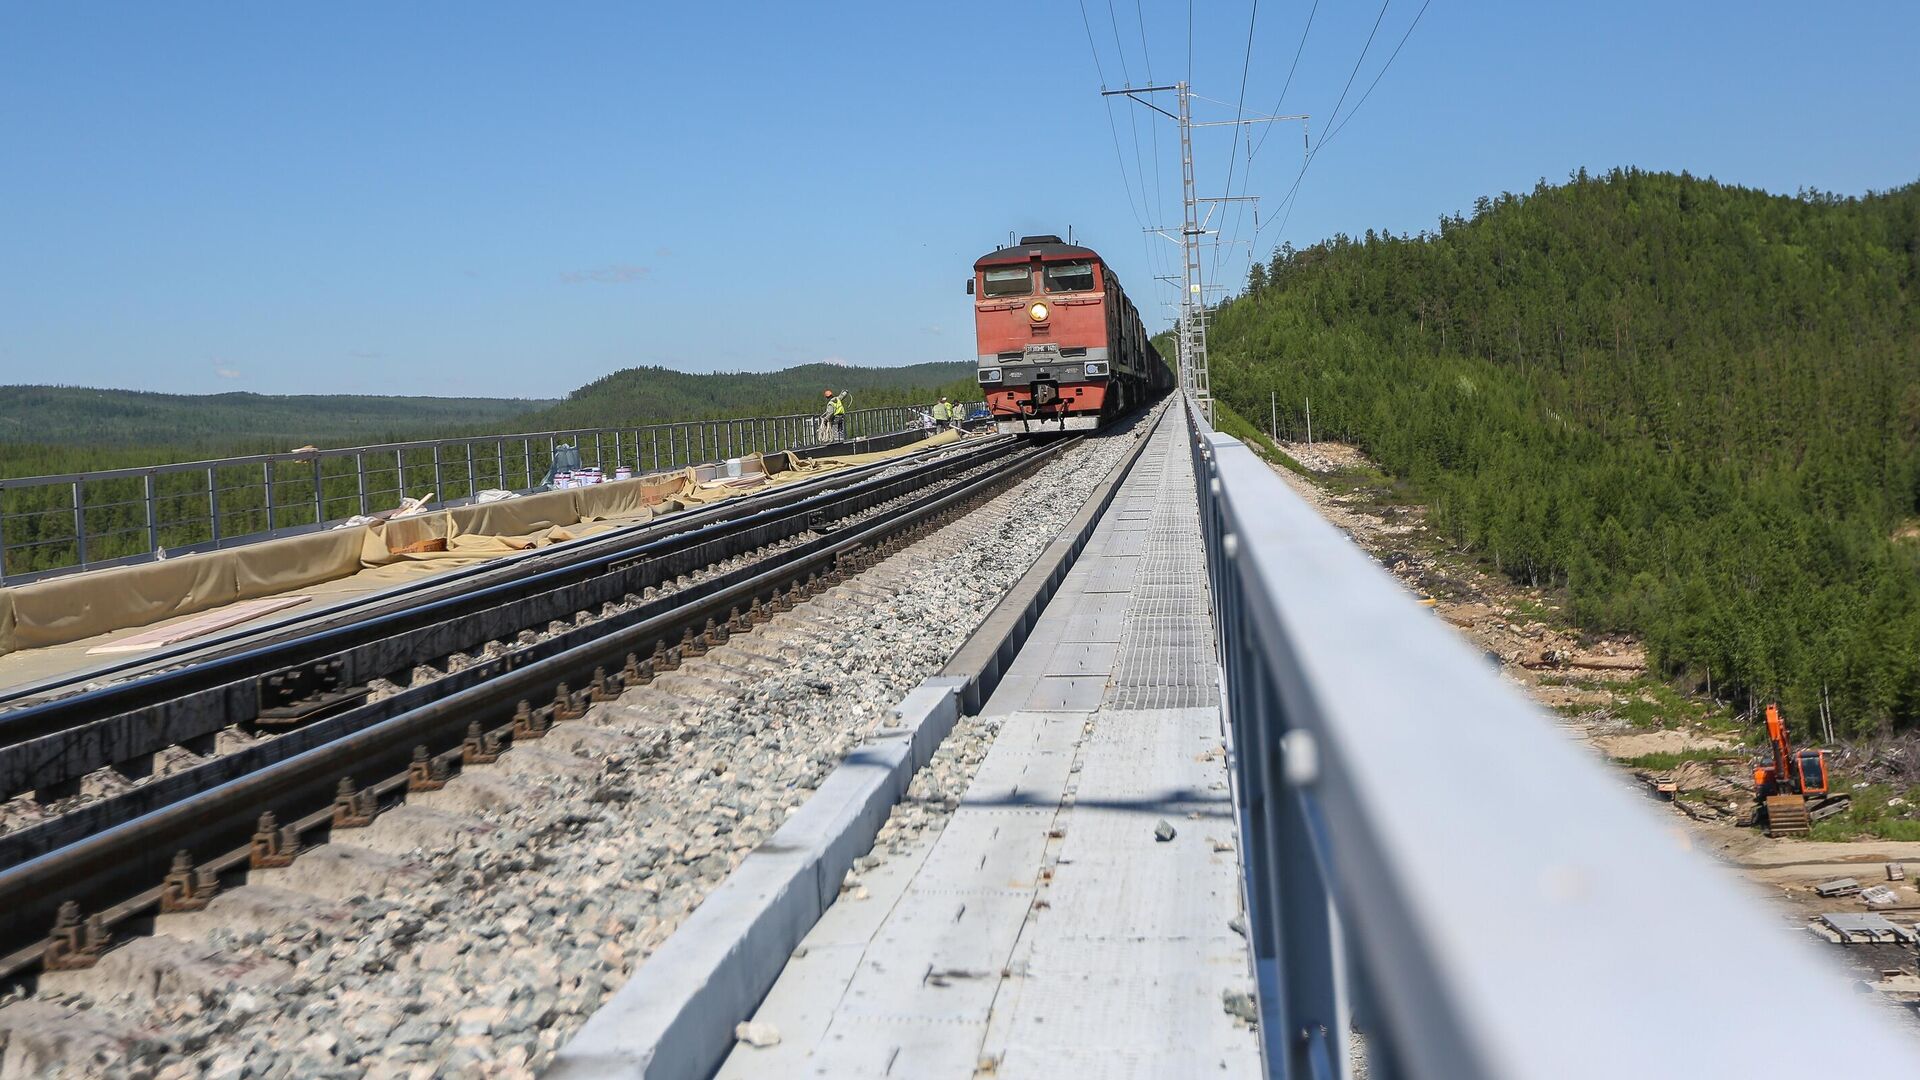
614,616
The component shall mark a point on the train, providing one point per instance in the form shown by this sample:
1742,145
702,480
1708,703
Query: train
1060,346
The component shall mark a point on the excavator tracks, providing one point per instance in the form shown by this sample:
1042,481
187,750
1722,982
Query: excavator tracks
1787,816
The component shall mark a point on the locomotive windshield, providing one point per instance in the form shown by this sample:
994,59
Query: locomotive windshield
1070,277
1009,281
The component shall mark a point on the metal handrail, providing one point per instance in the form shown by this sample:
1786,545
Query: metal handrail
1432,861
294,492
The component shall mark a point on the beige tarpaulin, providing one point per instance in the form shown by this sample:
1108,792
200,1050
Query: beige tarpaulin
339,562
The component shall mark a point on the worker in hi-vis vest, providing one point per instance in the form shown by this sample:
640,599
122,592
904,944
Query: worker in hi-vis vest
837,414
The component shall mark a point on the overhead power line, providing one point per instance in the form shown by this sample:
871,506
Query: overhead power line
1328,137
1239,113
1118,158
1295,66
1332,116
1334,128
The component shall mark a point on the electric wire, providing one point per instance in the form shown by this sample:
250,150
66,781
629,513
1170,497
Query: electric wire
1295,66
1133,124
1157,257
1133,120
1239,114
1119,159
1328,137
1288,202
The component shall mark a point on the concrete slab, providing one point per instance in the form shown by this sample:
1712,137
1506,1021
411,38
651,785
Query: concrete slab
1082,658
1075,693
1112,573
1045,930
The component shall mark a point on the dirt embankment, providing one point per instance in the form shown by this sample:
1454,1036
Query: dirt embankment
1599,689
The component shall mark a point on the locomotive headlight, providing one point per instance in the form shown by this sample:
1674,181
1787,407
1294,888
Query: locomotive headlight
989,374
1037,312
1096,367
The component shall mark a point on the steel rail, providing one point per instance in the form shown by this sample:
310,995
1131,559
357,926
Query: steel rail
77,752
461,578
42,719
65,755
293,483
111,872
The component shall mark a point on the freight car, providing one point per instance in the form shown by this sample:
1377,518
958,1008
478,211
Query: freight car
1061,347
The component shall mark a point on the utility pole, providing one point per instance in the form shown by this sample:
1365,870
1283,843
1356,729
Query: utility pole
1193,303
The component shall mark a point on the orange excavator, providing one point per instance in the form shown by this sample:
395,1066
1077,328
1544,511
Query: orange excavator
1794,787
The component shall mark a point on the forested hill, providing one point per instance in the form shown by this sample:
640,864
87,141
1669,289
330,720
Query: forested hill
650,394
76,414
58,429
1694,407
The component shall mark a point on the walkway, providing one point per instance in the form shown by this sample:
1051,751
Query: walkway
1048,930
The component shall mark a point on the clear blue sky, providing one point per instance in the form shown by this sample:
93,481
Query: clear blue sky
515,199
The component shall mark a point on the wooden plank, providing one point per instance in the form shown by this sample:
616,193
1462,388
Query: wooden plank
204,623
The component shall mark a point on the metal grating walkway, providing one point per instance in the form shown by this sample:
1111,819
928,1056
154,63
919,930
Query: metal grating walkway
1166,658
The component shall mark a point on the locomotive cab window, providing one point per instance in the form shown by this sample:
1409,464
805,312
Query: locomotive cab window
1009,281
1070,277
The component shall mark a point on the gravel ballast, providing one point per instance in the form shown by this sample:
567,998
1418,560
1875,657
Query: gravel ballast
471,931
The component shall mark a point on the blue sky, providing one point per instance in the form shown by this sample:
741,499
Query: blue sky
515,199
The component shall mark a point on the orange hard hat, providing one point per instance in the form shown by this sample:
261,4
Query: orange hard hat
827,393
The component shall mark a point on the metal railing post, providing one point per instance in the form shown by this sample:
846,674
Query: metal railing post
213,505
266,484
360,481
153,516
319,493
79,523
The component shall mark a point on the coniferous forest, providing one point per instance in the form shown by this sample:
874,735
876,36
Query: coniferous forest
1691,407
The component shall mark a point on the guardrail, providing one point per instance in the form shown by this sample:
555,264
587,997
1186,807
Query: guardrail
1431,862
75,521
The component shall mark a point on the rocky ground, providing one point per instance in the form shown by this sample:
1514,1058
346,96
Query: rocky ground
471,931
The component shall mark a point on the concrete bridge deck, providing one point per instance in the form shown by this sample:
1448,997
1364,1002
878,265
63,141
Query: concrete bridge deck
1053,927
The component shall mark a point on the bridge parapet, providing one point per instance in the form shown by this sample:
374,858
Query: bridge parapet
1431,862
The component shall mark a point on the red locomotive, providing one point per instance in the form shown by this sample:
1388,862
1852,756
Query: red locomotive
1061,348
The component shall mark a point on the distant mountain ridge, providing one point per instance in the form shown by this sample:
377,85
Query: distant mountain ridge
74,414
645,395
60,429
251,423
